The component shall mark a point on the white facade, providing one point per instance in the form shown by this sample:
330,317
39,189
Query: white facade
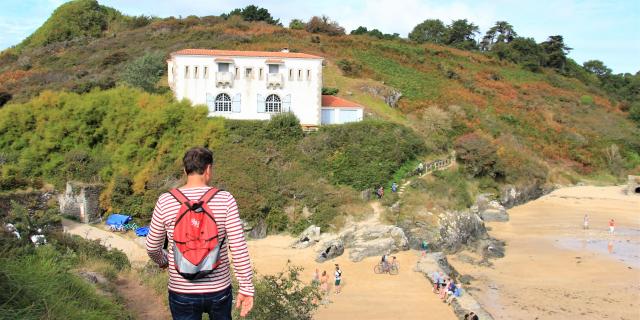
332,115
249,85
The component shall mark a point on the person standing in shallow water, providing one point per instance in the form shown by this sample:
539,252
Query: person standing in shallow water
612,227
585,222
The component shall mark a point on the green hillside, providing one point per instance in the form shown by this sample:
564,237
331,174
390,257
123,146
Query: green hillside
535,126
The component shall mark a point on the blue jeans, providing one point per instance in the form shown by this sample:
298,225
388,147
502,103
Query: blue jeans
186,306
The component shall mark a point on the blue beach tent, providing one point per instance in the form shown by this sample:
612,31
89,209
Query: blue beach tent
118,220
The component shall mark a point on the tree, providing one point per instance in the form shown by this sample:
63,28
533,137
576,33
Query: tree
145,71
359,31
523,51
254,13
430,30
324,25
555,52
501,32
597,67
297,24
461,34
477,153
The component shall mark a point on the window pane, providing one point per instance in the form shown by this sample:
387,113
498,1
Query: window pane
223,67
274,68
348,116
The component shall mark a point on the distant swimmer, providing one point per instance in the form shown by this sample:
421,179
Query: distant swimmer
612,227
585,222
610,247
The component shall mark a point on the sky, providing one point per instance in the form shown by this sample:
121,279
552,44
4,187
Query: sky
605,30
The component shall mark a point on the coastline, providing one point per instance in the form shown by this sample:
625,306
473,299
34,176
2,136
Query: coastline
553,269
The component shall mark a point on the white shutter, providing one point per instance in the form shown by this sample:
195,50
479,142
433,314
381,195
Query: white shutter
235,104
261,105
286,103
211,102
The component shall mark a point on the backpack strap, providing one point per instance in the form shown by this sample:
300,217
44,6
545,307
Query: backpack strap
179,196
207,196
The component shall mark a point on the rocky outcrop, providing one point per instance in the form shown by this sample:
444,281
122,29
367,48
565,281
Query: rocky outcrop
489,210
363,240
511,196
259,231
329,249
307,238
458,229
389,95
437,263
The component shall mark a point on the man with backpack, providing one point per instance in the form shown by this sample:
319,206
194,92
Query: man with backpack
202,224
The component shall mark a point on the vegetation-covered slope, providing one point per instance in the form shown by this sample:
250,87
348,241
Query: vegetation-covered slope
531,125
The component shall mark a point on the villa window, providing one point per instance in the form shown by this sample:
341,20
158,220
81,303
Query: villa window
222,103
223,67
308,74
195,72
274,68
248,73
205,73
260,72
186,72
290,74
237,75
273,104
299,74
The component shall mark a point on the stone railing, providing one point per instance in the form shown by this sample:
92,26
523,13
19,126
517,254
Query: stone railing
275,80
224,79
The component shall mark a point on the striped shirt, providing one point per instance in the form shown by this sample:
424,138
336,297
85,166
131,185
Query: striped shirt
225,212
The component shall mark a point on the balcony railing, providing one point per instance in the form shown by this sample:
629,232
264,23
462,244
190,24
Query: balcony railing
224,79
275,80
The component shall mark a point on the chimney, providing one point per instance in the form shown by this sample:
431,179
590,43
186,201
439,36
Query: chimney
285,50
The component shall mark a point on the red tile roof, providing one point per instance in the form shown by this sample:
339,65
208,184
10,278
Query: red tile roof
337,102
238,53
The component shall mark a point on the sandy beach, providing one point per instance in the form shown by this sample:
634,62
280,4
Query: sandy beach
554,269
364,295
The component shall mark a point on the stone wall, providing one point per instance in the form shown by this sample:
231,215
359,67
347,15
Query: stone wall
633,186
81,200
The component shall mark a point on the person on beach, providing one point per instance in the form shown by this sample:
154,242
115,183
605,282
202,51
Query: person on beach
324,283
612,226
585,222
383,262
316,278
338,278
209,290
436,281
443,289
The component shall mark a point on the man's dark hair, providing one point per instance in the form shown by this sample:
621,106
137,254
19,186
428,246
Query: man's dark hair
196,160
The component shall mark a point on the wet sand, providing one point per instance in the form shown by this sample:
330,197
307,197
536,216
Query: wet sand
364,295
554,269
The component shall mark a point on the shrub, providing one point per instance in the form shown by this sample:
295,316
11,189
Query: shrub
586,100
362,154
253,13
477,153
324,25
634,112
350,68
330,91
297,24
284,296
115,58
284,128
146,71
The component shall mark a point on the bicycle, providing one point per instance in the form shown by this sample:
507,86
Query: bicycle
391,268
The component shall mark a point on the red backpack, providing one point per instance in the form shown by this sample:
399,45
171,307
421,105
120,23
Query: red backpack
196,246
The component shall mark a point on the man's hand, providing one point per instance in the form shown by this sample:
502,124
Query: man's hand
244,303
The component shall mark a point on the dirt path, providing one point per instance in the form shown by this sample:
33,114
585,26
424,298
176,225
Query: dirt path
139,299
135,251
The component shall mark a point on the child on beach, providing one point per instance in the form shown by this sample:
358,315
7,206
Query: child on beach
585,221
612,226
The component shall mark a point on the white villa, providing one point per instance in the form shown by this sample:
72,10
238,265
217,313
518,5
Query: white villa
253,85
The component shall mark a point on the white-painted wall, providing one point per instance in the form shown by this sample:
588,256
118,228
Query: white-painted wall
304,92
340,115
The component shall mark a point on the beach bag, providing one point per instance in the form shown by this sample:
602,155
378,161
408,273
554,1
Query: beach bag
196,246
